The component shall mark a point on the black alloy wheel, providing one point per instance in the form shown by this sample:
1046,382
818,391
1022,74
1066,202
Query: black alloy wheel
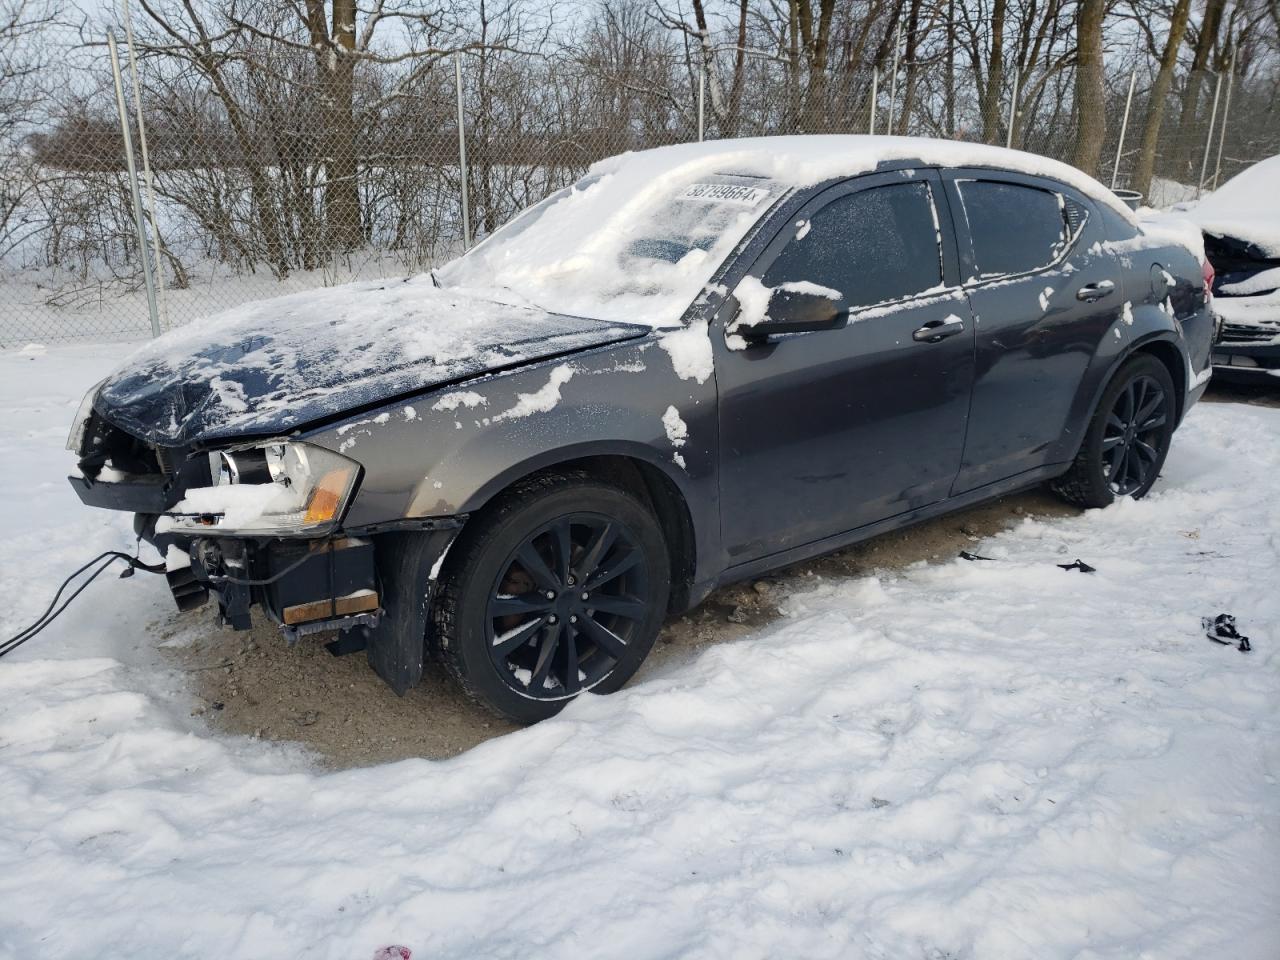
1131,436
566,605
1128,438
556,588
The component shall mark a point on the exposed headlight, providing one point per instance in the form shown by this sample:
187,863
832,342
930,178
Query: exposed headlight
75,439
278,489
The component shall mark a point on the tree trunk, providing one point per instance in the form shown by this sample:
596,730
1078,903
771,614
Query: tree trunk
259,184
814,45
729,122
1159,94
995,75
342,189
1091,119
1205,41
951,69
908,59
335,70
883,53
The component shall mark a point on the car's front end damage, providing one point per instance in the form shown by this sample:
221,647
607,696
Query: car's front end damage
261,524
302,456
1247,300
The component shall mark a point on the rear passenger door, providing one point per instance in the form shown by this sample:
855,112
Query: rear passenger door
1043,293
826,431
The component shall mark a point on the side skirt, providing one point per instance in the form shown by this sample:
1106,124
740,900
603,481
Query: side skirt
817,548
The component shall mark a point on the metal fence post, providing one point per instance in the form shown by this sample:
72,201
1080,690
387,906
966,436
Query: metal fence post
462,155
146,164
1208,140
1222,131
893,81
133,187
1013,111
702,102
875,92
1124,128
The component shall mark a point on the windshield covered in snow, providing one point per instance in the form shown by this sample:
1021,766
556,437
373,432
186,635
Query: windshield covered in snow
619,246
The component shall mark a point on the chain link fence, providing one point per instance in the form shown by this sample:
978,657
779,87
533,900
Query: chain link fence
255,179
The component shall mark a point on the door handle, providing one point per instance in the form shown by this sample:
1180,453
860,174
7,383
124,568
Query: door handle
1095,291
936,330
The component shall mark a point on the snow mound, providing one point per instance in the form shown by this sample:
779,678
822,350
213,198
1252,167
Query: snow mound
981,759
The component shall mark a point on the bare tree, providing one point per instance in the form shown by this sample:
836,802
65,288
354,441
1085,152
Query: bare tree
22,60
1091,91
1156,102
1206,38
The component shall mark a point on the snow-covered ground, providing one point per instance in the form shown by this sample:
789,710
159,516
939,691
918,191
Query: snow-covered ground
989,759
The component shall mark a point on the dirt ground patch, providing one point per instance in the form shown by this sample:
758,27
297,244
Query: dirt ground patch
254,684
1264,394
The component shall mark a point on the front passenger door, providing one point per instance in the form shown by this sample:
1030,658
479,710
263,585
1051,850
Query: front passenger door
827,431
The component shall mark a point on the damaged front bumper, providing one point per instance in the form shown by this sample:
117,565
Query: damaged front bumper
373,584
375,588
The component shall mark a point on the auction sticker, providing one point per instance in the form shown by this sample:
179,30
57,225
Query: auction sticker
726,193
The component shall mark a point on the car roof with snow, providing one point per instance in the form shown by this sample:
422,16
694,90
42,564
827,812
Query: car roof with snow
639,235
801,161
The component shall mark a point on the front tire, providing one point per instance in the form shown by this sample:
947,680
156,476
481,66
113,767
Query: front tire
1128,438
558,587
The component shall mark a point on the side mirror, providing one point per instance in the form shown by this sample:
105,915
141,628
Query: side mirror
795,308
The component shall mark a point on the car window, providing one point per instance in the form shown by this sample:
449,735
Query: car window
1015,229
1116,226
873,246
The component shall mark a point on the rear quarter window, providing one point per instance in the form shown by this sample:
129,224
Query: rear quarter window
1115,226
1014,228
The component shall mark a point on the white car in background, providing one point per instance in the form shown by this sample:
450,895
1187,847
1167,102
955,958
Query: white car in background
1241,225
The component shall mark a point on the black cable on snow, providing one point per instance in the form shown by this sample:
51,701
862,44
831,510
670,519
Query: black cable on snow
52,611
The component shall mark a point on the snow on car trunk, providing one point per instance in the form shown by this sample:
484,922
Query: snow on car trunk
996,758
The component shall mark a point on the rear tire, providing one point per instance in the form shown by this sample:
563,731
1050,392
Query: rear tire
1128,438
559,586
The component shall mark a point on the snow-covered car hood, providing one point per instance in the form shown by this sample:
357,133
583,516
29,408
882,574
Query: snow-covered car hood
275,365
1245,208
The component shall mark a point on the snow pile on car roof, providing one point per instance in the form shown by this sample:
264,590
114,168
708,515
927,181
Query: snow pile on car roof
1246,207
802,161
642,233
